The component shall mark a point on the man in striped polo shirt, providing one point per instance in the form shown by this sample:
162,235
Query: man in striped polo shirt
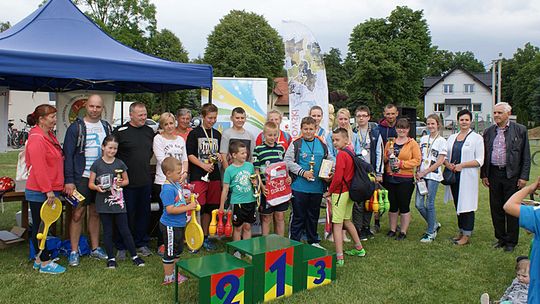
267,153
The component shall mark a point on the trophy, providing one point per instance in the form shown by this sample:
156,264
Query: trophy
118,173
254,181
212,159
311,165
392,159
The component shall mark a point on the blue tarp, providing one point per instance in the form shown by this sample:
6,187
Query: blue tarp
57,48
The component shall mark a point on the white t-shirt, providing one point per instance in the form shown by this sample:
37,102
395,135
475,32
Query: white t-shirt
431,149
164,148
95,134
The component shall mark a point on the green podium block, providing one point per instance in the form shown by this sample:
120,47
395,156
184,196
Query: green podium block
275,260
318,267
222,278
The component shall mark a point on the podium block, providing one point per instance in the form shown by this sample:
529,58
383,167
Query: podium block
222,278
274,260
318,267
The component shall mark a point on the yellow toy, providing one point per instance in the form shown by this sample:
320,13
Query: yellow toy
213,223
194,233
49,214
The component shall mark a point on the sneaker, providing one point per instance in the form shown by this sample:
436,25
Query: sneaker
52,268
484,298
346,239
356,252
144,251
111,264
181,279
370,234
209,245
121,255
161,250
137,261
99,254
438,227
391,233
237,255
427,238
74,259
167,281
340,262
318,245
36,265
363,235
401,236
377,227
194,251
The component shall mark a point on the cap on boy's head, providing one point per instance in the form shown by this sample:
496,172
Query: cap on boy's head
169,164
308,120
521,257
341,131
235,146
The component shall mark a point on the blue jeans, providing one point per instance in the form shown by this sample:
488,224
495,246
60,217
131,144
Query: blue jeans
426,204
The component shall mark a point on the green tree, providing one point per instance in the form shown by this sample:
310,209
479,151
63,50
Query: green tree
128,21
243,44
442,61
336,76
520,82
388,58
4,26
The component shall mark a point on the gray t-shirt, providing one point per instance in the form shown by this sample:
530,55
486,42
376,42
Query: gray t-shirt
231,135
111,201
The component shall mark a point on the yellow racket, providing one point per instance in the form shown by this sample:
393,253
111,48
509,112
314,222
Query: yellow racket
49,214
194,233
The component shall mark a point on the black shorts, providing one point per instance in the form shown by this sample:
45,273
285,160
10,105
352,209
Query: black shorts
173,239
89,195
266,209
244,213
208,208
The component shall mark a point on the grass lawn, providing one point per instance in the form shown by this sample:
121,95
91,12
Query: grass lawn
392,272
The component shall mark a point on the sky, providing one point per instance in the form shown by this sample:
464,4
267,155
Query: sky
484,27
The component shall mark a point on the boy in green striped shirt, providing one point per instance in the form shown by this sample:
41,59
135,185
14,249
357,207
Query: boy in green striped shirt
268,153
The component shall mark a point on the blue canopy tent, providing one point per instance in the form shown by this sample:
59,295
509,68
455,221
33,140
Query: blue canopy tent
57,49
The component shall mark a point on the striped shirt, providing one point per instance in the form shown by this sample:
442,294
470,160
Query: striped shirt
498,153
264,155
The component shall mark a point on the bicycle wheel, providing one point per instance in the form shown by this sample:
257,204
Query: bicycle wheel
16,142
535,158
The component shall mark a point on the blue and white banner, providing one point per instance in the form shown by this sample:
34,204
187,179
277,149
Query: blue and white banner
306,73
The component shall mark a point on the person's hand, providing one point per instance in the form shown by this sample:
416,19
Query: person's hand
100,190
326,194
221,208
308,175
331,175
485,182
378,178
69,188
531,189
420,174
183,178
264,190
119,182
208,167
288,180
219,157
50,197
458,168
451,167
192,205
521,183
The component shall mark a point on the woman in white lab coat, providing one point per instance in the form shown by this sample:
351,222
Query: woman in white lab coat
465,157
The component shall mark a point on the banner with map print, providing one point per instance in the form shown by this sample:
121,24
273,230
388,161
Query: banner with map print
248,93
305,71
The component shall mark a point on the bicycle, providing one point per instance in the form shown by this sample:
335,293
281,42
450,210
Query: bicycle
22,135
12,136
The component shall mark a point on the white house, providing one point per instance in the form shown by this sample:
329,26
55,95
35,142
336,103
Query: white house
456,90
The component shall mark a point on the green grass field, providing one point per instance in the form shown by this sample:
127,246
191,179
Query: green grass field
392,272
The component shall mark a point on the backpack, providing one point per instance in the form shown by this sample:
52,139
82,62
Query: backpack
362,185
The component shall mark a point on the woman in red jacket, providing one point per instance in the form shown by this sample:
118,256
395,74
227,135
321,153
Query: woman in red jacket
45,161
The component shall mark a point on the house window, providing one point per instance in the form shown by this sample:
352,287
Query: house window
469,87
438,107
477,107
448,88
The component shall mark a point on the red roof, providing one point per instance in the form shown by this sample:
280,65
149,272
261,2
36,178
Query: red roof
281,89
